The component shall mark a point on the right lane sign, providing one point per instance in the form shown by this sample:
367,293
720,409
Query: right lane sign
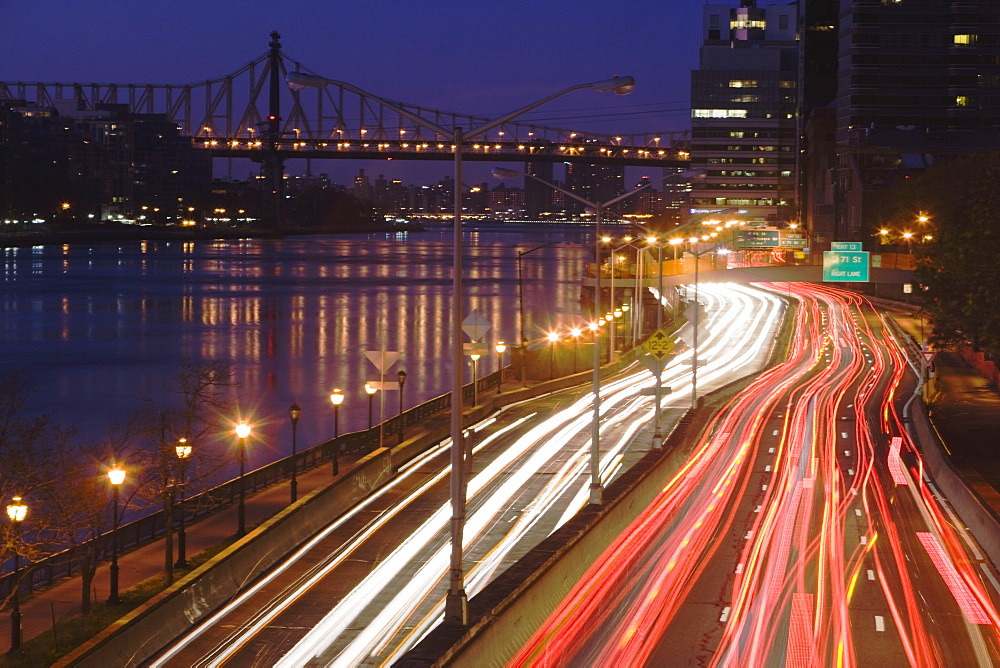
848,266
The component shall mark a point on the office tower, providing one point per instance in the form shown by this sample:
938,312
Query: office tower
918,84
537,196
743,112
594,183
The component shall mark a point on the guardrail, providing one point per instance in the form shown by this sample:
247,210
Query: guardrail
136,533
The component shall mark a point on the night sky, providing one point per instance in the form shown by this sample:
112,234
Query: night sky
475,57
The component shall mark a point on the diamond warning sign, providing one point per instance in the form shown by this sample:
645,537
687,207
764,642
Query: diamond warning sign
659,345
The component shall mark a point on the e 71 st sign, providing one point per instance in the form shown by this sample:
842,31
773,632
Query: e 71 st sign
849,266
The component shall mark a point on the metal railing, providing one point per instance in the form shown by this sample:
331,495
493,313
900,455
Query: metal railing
136,533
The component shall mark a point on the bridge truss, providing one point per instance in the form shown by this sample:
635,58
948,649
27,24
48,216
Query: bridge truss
239,115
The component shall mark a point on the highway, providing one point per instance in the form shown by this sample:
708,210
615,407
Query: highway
370,585
800,532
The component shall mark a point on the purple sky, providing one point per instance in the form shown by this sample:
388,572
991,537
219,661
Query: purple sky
475,57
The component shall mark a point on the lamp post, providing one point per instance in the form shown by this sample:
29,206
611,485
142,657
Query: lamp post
401,377
337,398
293,413
909,242
183,450
475,377
370,390
596,486
242,431
575,333
16,512
520,307
500,347
116,476
552,337
456,604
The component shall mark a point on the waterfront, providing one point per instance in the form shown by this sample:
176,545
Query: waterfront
102,327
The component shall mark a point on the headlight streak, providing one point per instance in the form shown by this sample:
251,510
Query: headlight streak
741,319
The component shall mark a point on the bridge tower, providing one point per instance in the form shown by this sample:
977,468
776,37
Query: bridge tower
272,164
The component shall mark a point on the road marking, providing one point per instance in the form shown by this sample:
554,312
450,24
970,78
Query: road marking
763,488
757,509
847,453
864,540
725,614
749,534
857,512
843,434
739,568
767,469
775,433
871,574
879,623
850,471
770,451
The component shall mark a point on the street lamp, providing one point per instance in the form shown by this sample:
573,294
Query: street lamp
16,511
116,476
370,390
500,347
336,398
401,377
575,333
242,431
183,450
909,242
552,337
456,604
596,486
294,412
520,306
475,368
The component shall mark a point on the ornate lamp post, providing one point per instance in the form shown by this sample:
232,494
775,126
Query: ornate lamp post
293,413
500,347
337,398
242,431
401,377
183,450
16,511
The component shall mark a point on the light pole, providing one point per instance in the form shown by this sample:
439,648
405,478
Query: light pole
553,338
596,485
183,450
909,242
337,398
294,412
575,333
242,431
370,390
16,512
116,476
694,347
401,377
475,377
456,604
500,347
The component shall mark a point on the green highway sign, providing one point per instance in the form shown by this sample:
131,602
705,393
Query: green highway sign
793,240
845,246
758,239
849,266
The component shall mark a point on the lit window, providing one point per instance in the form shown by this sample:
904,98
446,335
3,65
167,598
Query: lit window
965,40
963,101
742,83
745,98
718,113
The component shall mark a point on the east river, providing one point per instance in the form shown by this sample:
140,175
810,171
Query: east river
102,328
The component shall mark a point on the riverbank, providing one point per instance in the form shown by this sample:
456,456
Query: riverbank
117,233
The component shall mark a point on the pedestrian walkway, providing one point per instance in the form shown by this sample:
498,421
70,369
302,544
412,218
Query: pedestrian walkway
61,601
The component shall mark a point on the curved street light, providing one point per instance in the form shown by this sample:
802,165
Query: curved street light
456,604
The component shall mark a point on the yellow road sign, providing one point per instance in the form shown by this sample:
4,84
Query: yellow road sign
659,345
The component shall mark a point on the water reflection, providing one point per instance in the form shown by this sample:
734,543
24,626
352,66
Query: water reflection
101,327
